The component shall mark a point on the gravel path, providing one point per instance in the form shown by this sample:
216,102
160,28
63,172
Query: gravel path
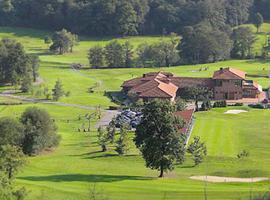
34,100
217,179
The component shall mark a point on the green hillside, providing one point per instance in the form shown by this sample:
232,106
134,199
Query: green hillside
71,170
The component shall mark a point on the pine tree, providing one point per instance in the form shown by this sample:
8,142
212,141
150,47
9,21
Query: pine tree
96,57
258,21
58,91
123,144
198,150
102,139
128,51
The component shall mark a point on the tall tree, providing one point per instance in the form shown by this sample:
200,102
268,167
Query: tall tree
198,150
102,138
126,18
258,21
11,160
35,67
128,53
158,137
111,130
123,144
40,131
197,47
14,62
114,54
243,40
96,57
57,91
161,54
63,41
11,132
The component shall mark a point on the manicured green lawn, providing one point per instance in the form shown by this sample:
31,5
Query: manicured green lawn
76,165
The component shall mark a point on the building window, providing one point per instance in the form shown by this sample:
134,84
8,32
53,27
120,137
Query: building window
218,83
238,83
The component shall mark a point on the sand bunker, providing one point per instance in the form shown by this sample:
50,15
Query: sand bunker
218,179
235,112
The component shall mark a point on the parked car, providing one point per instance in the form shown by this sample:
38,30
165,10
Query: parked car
129,117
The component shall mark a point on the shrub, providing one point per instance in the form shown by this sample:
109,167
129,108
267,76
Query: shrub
206,105
265,101
40,131
11,132
263,197
180,104
238,104
220,104
243,154
257,106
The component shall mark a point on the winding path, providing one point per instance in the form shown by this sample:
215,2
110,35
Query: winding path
8,94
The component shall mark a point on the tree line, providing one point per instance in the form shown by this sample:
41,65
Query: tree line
198,44
116,54
121,17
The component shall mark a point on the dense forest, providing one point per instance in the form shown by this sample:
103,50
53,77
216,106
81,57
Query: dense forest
128,17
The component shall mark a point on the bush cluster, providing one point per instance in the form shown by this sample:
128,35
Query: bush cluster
220,104
34,132
258,106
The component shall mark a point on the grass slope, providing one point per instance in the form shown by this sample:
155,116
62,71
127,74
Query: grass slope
68,172
73,168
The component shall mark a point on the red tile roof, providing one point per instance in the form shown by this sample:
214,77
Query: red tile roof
155,89
183,82
186,115
132,82
229,73
147,77
145,86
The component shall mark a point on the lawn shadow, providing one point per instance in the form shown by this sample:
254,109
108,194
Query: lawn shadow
185,166
115,96
40,51
24,32
256,61
100,154
90,178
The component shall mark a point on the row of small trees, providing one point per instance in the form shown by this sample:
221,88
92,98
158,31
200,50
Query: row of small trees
116,54
106,136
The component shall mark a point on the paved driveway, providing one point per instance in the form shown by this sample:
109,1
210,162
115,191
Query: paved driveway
107,117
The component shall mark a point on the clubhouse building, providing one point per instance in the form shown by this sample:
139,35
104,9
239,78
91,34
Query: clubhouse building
227,84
